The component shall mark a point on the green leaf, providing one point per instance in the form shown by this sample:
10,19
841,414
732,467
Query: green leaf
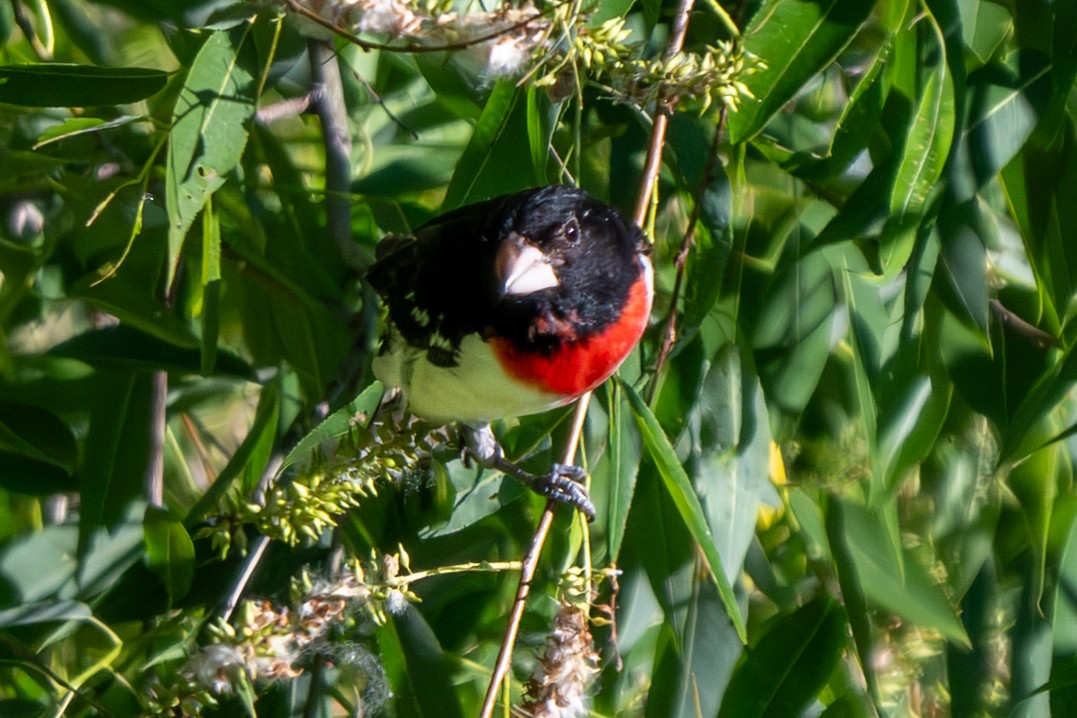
69,85
37,451
617,470
709,253
797,39
691,673
209,131
117,450
249,459
730,459
169,551
680,490
124,348
893,581
45,612
790,665
75,126
428,667
924,152
495,116
337,424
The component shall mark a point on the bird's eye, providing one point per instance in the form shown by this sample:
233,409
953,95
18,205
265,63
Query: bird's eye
571,231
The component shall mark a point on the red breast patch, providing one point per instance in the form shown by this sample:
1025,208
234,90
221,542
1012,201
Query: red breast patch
579,366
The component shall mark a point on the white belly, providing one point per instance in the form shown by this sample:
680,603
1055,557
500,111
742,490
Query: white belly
476,390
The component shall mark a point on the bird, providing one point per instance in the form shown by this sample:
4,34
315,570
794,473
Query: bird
512,306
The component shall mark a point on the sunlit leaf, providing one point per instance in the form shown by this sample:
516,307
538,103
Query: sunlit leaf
209,130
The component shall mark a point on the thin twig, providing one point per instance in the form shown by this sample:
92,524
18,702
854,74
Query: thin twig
530,563
663,110
669,336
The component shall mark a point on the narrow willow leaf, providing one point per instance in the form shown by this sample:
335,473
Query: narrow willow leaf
924,152
337,424
69,85
622,458
495,115
797,40
432,692
1033,482
75,126
692,672
537,136
169,551
209,131
893,581
211,287
680,490
45,612
117,451
791,663
125,348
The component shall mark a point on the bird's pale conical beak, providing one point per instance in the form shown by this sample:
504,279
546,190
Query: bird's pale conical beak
521,268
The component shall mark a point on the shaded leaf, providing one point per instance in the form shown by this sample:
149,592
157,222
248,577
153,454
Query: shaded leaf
790,664
69,85
680,490
169,551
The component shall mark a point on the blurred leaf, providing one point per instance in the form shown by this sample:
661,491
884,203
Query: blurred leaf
692,674
893,582
985,26
40,565
793,333
680,489
619,467
1064,613
75,126
962,261
790,664
796,40
709,253
124,348
44,613
1033,483
209,130
169,551
117,455
730,453
431,690
37,451
1001,116
69,85
249,459
495,115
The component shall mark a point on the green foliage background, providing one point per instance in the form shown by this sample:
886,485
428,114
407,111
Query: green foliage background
859,450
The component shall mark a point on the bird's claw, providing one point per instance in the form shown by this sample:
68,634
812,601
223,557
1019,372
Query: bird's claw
562,485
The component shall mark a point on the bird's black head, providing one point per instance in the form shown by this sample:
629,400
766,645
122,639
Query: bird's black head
565,264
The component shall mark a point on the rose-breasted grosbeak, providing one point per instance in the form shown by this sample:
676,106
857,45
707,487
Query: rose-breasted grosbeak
512,306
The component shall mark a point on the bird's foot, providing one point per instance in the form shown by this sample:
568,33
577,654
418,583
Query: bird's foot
561,484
